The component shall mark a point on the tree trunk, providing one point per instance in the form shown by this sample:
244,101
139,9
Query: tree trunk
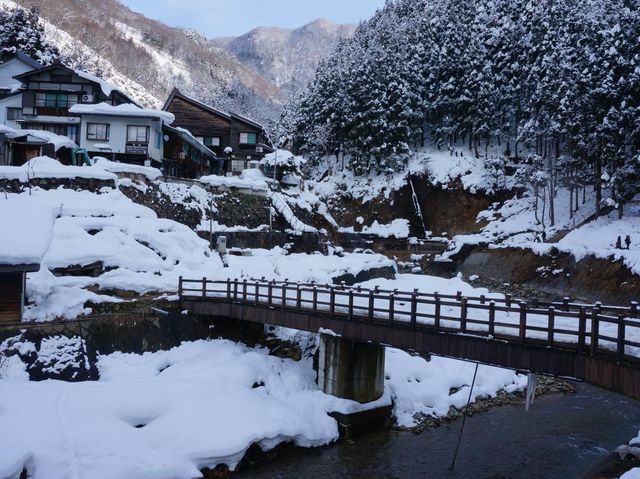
598,186
571,203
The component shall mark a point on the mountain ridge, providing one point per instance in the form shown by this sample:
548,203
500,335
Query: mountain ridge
149,58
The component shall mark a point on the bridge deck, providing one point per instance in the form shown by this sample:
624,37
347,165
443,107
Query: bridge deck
595,343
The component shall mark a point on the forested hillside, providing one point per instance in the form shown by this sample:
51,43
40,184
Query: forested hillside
554,84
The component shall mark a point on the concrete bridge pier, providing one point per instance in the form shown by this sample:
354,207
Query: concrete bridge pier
350,369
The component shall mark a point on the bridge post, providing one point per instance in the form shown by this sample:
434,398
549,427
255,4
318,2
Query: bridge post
350,369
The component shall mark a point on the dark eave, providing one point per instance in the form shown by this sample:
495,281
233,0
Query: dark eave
19,268
54,66
192,141
245,120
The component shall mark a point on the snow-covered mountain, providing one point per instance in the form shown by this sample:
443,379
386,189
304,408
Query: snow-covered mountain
253,74
149,58
288,58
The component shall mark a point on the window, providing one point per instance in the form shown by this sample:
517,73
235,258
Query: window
157,138
238,165
248,138
14,114
137,134
211,141
98,131
55,100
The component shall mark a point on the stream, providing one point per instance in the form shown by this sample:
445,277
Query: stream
561,437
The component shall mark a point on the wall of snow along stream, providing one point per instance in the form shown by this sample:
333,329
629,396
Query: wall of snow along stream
138,251
170,414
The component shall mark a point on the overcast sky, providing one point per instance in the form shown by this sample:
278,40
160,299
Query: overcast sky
218,18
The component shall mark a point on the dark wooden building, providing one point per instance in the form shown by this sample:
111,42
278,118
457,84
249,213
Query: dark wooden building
185,156
12,291
235,139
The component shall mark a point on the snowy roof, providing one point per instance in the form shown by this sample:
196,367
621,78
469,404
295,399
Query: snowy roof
27,227
58,141
106,87
126,109
45,167
189,138
24,58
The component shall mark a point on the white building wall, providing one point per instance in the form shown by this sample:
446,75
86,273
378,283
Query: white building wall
14,101
10,69
118,134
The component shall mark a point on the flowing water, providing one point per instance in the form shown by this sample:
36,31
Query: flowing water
561,437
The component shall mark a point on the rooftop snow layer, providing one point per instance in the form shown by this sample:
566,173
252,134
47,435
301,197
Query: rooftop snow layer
126,109
58,141
27,227
45,167
106,87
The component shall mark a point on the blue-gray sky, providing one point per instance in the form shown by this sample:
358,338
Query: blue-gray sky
218,18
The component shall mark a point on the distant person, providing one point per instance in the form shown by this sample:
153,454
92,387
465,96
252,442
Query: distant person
619,243
544,236
627,241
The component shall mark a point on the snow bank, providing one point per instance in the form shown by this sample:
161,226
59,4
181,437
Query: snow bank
249,179
169,414
125,109
27,230
598,238
283,158
164,415
420,387
302,267
140,252
45,167
114,167
398,228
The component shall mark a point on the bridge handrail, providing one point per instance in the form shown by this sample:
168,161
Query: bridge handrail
587,330
633,309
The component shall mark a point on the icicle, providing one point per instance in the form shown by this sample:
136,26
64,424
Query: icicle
532,382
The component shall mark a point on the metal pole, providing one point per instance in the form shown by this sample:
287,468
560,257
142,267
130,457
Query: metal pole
464,419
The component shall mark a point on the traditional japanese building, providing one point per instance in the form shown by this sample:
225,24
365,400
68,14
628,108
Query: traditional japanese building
235,139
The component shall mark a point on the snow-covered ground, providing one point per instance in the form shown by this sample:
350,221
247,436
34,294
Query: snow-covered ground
441,167
513,224
398,228
171,413
139,251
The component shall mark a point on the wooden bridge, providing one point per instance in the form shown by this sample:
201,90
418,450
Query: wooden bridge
594,343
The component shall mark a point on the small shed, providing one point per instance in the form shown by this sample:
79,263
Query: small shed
27,228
